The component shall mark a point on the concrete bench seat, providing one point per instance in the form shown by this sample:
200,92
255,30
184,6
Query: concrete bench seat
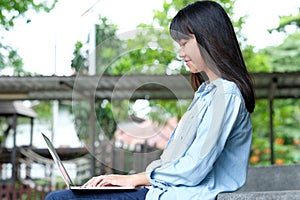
269,182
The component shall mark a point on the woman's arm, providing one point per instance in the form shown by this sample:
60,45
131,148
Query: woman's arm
140,179
119,180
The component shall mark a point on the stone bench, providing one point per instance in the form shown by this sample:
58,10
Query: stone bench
269,182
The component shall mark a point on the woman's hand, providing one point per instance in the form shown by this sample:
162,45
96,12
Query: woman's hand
118,180
109,180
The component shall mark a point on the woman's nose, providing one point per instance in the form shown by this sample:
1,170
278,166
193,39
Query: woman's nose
181,54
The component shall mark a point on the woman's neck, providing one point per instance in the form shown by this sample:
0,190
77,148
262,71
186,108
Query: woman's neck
212,76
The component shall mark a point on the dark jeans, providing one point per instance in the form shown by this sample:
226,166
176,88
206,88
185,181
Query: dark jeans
139,194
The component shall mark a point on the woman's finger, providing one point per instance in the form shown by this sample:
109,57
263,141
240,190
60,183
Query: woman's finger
93,181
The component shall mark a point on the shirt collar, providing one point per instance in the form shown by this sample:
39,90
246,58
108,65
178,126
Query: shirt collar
208,86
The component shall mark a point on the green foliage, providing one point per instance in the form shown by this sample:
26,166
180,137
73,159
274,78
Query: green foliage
79,63
285,21
81,112
43,109
286,127
108,45
110,113
151,50
260,118
107,49
10,11
281,58
257,61
286,120
9,58
162,110
4,127
286,56
145,54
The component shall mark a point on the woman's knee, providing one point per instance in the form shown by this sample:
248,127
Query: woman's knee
59,194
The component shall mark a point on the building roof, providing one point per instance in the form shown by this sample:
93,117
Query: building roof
133,133
267,85
8,108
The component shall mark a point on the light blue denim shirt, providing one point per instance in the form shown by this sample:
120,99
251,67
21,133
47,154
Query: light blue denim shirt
208,152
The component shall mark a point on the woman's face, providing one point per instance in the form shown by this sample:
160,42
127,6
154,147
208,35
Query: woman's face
190,53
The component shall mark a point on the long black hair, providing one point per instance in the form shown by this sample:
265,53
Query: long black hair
210,24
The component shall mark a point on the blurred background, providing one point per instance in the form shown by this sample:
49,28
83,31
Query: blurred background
80,71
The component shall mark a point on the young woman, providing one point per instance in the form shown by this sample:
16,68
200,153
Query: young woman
208,151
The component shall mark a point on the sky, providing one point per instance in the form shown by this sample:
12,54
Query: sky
46,44
48,41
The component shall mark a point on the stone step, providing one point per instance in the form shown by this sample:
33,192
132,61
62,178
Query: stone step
266,195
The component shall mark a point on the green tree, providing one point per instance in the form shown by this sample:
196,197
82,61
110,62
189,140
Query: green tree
286,21
108,45
281,58
106,50
149,50
152,51
286,56
79,62
10,11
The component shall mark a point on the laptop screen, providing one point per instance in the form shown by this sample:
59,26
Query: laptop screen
58,161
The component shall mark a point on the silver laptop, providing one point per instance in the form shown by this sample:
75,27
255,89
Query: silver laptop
66,176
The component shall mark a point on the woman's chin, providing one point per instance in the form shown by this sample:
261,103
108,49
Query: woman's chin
193,70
